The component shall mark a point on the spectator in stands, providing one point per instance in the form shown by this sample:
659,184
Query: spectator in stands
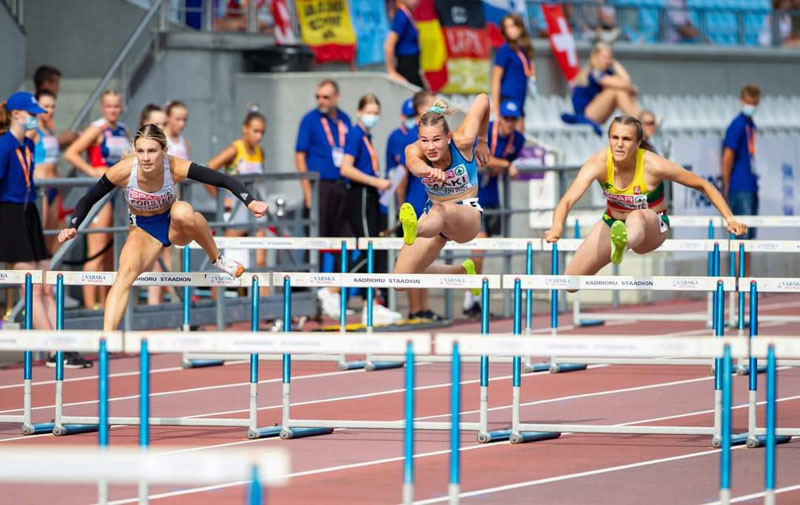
235,17
360,167
402,45
24,247
505,143
602,86
739,180
411,190
46,154
679,25
320,148
153,114
177,116
599,22
779,28
514,72
104,141
650,126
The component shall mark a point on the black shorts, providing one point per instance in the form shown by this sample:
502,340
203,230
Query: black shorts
492,224
22,232
332,205
408,67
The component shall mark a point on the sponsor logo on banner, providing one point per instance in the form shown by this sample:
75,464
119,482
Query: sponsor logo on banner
165,278
220,279
455,282
382,281
558,282
685,283
638,283
327,280
4,276
611,283
767,245
400,281
792,284
94,278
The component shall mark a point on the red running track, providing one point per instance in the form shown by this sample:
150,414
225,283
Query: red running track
365,466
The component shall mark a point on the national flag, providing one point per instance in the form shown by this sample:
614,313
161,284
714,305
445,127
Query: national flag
562,42
433,52
467,45
326,29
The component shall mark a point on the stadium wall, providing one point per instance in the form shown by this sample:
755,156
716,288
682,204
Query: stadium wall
12,40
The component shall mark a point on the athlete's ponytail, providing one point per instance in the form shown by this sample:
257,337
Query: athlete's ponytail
5,118
628,121
437,115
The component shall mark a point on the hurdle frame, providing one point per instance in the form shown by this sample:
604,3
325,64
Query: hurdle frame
26,278
302,279
72,424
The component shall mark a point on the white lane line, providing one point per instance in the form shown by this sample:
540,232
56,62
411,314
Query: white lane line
755,496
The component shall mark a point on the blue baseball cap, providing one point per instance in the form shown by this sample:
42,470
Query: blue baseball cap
22,100
510,109
408,109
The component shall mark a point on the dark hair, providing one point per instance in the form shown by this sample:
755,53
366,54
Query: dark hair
43,74
524,41
252,116
45,92
368,99
174,105
436,115
632,121
5,117
147,110
323,82
152,132
751,91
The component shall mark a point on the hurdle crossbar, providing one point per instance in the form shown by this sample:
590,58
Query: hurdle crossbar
482,244
283,243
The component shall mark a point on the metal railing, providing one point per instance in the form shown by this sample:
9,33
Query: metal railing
15,8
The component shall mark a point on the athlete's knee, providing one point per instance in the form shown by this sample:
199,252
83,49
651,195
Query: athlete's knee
637,217
182,213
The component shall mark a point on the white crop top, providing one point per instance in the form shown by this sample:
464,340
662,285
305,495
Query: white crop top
142,201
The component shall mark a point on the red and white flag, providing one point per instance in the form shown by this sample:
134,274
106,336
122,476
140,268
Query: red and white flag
284,35
562,42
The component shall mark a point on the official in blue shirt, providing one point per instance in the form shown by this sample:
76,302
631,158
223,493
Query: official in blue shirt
505,144
402,44
739,181
320,148
513,73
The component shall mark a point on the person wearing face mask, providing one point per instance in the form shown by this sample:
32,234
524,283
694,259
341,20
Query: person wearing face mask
24,246
739,179
320,148
360,167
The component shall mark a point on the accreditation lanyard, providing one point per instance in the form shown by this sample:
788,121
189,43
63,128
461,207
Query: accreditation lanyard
25,163
410,17
751,139
372,156
526,66
342,132
509,145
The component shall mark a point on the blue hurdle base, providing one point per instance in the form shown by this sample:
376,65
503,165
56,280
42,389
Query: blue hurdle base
736,439
202,363
36,429
287,433
590,322
494,436
272,431
536,367
745,369
383,365
533,436
74,429
761,440
567,367
352,365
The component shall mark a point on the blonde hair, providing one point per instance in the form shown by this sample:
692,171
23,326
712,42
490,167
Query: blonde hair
152,132
5,118
582,79
437,115
109,92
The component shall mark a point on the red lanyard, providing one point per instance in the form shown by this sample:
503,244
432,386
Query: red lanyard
509,145
372,156
25,163
526,66
751,139
342,131
410,17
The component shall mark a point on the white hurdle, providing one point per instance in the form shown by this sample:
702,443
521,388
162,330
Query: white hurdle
77,465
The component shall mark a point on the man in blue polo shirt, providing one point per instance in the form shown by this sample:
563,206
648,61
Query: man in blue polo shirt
505,143
320,148
739,180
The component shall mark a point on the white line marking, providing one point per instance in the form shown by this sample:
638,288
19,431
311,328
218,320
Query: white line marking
754,496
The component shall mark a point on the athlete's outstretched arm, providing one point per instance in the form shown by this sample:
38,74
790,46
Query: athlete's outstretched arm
588,173
415,162
185,169
673,172
115,176
476,126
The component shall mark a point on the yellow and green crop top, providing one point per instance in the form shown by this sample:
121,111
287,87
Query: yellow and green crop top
636,196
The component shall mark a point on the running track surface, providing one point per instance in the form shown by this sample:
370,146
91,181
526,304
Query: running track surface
365,466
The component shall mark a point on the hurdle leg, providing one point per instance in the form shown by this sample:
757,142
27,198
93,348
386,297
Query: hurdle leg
577,320
772,413
369,364
343,363
555,366
725,454
517,436
454,487
253,431
187,361
408,429
28,428
484,435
